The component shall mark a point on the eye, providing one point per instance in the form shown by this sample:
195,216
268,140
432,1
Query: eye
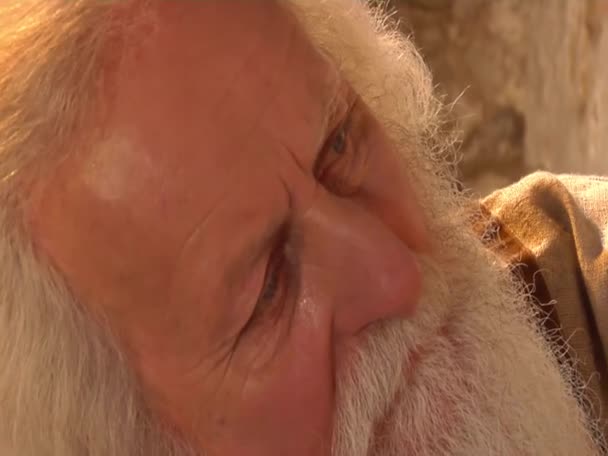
338,143
272,280
269,304
277,280
338,162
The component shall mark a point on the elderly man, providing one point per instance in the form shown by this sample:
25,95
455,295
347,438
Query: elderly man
230,228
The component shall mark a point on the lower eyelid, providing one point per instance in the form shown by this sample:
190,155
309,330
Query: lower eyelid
292,284
272,277
251,289
348,179
361,135
288,280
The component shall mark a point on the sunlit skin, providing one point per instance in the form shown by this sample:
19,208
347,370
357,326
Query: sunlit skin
239,223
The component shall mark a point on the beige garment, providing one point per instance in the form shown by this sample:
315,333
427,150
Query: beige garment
563,222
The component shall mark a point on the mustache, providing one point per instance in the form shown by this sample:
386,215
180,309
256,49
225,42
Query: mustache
376,370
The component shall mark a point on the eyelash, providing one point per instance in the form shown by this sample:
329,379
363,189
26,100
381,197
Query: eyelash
336,166
272,279
276,282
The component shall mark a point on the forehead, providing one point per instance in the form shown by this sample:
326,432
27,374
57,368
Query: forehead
216,73
243,52
193,110
215,84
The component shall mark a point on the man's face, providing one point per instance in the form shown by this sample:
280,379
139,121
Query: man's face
248,230
241,222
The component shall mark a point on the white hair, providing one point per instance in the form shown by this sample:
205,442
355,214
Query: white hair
65,388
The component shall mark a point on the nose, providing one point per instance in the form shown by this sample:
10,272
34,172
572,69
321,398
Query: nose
358,264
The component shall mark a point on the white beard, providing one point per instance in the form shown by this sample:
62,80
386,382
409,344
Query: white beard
472,373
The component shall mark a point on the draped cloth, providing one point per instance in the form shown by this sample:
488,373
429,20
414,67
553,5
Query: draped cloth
553,231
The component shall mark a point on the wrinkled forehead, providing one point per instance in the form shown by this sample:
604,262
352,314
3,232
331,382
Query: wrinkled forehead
221,65
236,54
237,36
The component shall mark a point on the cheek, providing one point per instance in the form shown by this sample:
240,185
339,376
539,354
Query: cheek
286,404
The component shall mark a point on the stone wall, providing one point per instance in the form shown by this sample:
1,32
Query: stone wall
528,78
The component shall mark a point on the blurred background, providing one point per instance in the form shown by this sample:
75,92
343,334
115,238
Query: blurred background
528,78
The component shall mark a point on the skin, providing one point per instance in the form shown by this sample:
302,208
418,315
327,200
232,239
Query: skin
239,223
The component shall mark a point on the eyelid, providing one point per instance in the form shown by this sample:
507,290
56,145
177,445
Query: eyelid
341,117
276,246
274,264
343,111
352,165
341,103
344,119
